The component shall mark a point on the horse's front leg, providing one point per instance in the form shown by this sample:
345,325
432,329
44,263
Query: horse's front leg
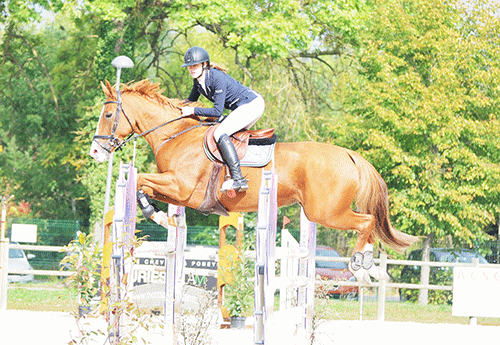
155,186
161,187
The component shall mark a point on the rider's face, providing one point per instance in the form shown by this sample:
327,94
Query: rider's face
196,70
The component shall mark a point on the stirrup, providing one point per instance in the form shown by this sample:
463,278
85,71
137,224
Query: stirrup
238,186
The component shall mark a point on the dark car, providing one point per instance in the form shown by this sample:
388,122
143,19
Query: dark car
437,275
332,270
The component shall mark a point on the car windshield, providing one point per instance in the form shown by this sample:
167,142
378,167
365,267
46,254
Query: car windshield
329,264
15,253
462,257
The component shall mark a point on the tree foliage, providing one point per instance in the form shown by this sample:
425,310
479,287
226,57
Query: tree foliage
411,85
423,108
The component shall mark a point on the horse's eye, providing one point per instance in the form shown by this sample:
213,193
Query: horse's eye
108,115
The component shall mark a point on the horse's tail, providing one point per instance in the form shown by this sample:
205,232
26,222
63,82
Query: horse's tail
373,198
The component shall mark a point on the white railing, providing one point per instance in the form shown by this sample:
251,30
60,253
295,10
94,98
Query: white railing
39,272
318,258
5,270
381,286
403,263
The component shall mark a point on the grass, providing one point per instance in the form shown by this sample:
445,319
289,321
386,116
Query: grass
45,296
54,296
331,309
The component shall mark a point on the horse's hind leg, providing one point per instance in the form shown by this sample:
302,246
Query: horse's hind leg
362,263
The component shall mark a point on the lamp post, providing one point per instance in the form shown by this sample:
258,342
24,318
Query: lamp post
119,62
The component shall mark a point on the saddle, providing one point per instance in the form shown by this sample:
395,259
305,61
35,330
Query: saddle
240,140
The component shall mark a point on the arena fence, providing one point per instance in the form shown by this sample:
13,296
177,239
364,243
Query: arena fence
62,232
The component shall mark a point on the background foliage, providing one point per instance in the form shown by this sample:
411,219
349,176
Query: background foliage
413,86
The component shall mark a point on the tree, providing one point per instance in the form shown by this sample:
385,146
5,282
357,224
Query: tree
423,108
164,30
37,119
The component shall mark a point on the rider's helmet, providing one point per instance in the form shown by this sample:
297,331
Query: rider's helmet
195,55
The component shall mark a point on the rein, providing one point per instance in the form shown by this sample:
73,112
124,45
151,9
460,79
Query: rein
134,137
115,142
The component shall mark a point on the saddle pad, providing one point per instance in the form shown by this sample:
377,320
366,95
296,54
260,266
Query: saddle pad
263,140
258,155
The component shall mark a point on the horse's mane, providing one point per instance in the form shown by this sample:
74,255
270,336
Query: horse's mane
149,90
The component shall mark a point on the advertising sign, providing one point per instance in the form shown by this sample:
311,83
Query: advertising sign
148,275
23,233
475,292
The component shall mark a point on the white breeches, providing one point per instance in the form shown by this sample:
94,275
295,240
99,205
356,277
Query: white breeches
245,116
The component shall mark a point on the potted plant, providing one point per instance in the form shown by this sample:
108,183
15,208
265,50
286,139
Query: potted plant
83,258
238,291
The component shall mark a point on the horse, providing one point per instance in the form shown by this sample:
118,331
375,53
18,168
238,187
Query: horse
324,179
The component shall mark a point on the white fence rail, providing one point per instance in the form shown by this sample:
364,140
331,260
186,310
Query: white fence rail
381,286
39,272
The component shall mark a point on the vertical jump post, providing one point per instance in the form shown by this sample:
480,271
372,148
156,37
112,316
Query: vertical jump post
118,62
293,322
122,233
174,270
265,251
121,265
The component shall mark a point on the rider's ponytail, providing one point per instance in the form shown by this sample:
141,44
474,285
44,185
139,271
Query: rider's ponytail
217,66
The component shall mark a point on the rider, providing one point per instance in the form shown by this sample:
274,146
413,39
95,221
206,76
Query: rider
217,86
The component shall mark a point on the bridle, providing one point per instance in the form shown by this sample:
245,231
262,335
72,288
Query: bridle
115,142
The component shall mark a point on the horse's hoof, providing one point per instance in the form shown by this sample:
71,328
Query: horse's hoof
356,261
361,275
145,204
377,273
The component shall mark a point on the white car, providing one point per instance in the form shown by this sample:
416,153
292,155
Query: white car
19,261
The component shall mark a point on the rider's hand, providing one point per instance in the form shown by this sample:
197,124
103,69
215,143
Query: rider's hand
186,111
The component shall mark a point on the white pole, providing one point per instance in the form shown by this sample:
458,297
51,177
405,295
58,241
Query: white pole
4,255
4,269
382,289
107,195
5,200
361,297
135,148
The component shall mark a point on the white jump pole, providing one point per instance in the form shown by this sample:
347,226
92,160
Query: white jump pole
293,322
308,271
123,230
174,271
265,250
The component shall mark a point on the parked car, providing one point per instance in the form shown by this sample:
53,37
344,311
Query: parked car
437,275
332,270
18,260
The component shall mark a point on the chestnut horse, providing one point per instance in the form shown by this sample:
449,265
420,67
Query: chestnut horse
324,179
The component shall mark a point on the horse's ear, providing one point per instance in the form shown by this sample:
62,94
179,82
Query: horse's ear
107,88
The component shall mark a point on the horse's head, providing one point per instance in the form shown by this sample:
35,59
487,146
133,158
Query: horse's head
114,125
146,112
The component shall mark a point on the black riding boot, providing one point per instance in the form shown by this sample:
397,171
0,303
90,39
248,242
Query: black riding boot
229,155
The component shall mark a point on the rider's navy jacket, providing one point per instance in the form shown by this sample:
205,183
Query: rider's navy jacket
223,90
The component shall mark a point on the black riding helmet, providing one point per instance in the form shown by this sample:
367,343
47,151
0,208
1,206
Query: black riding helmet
195,55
